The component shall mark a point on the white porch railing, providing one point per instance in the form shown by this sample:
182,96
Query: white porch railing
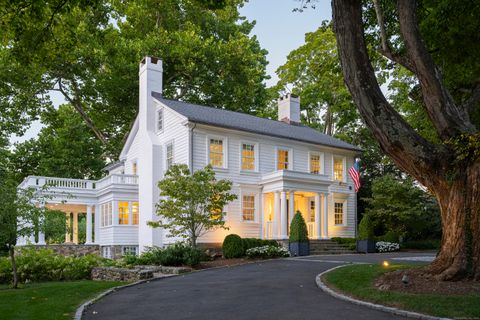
269,230
311,229
79,184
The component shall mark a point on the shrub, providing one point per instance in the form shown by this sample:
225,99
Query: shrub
365,228
265,252
298,229
432,244
383,246
254,242
390,236
175,255
350,243
233,246
44,265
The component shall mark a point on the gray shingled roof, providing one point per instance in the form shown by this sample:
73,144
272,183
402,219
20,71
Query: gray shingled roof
245,122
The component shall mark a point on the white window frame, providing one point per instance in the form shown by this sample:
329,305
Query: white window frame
129,248
255,205
322,161
107,252
106,214
135,165
290,157
256,155
344,216
344,175
159,111
169,143
225,150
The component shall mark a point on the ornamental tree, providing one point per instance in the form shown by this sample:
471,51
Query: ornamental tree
192,204
449,164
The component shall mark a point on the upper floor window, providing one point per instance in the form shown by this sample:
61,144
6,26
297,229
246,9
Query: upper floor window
314,163
282,159
248,156
339,207
134,212
216,151
248,207
123,212
169,156
338,174
160,120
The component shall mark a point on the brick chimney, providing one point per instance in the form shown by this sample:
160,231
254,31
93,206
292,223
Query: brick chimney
289,109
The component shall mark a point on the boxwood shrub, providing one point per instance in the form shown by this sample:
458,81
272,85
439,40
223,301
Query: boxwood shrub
233,247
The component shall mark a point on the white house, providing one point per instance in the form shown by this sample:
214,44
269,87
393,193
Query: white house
276,166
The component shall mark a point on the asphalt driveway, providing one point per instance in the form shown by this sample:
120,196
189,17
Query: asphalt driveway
278,289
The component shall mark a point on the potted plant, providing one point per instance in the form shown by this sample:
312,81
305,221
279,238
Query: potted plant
366,236
298,240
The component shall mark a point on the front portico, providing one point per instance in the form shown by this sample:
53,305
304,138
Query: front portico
285,192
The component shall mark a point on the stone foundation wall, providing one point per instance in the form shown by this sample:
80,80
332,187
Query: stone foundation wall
70,249
120,274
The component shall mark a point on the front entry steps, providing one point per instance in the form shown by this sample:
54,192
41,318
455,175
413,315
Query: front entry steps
328,247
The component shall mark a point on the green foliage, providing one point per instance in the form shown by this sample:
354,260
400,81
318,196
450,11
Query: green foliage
433,244
233,246
192,204
365,228
175,255
249,243
403,208
350,243
44,265
267,252
390,236
298,229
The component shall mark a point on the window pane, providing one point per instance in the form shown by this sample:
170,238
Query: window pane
248,207
315,163
338,169
282,163
122,212
338,212
248,156
169,155
134,212
134,168
216,152
160,120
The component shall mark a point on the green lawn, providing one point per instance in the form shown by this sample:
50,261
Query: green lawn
358,281
49,300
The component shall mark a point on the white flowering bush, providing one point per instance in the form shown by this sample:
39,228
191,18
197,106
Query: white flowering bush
384,246
267,252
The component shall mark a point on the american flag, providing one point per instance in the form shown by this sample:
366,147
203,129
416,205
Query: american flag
354,172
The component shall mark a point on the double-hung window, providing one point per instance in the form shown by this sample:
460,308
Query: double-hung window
134,212
282,159
123,212
248,156
248,207
216,152
160,120
106,214
339,213
169,155
314,163
338,169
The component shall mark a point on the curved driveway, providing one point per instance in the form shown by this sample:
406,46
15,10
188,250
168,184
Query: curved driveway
278,289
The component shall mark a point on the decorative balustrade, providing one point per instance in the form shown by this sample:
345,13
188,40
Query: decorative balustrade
79,184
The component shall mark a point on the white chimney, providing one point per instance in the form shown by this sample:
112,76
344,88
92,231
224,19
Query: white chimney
289,108
150,79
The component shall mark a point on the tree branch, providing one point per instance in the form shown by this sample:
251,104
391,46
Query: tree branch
78,106
396,137
385,49
448,119
474,99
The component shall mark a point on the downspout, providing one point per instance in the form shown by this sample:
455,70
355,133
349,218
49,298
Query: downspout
190,141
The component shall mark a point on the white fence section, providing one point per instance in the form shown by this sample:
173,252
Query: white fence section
79,184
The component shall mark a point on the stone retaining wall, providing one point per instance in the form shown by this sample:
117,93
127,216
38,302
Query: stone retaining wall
134,274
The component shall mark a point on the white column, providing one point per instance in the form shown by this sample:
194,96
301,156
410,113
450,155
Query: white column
75,227
67,228
325,215
318,229
276,215
291,210
89,226
283,213
96,224
41,233
261,214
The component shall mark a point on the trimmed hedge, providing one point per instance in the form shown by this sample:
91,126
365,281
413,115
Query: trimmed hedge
233,246
350,243
175,255
298,229
365,229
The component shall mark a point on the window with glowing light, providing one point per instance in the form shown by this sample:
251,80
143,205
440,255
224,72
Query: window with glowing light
248,207
314,163
282,159
134,212
248,157
338,169
338,211
216,153
123,212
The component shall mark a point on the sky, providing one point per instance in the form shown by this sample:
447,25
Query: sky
278,29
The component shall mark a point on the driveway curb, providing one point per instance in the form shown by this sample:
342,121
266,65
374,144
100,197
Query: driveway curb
395,311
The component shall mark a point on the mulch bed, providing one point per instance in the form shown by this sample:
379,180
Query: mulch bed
421,282
221,262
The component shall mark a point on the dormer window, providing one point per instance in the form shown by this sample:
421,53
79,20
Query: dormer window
160,120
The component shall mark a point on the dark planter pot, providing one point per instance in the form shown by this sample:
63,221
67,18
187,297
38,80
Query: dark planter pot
299,248
366,246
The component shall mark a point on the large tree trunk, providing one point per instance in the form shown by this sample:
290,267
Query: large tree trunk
459,256
455,185
14,267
